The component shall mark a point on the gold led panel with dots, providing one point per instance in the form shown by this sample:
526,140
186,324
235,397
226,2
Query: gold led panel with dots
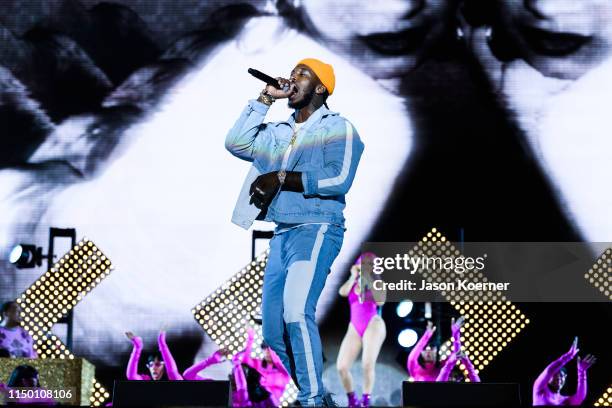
491,321
606,399
226,314
57,292
600,274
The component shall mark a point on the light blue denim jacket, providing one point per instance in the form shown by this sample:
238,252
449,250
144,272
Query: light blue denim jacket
327,151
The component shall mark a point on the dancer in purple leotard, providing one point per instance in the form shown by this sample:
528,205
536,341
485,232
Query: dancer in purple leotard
192,373
457,355
423,363
449,365
366,329
240,393
157,364
271,373
548,385
257,382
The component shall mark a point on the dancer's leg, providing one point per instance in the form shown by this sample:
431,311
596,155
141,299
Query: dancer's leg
373,339
349,350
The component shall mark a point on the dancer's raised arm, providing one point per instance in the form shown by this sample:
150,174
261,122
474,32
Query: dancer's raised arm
581,388
171,368
132,367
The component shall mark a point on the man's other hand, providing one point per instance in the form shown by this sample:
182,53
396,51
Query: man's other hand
263,189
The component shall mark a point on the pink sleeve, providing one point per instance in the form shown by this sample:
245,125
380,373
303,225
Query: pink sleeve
413,358
278,363
543,379
132,367
192,372
581,389
245,355
456,340
171,368
245,358
472,374
240,394
447,368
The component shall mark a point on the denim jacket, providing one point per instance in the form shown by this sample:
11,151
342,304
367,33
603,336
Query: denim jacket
326,151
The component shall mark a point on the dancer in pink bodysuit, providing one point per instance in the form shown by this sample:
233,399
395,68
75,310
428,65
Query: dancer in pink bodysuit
429,369
192,373
423,363
449,365
240,394
273,375
263,384
548,385
158,365
361,311
457,355
366,330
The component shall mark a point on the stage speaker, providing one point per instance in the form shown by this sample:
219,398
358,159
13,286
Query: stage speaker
451,394
171,393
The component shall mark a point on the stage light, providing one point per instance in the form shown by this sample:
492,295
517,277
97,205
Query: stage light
26,256
427,313
606,399
493,321
41,298
404,308
600,274
407,338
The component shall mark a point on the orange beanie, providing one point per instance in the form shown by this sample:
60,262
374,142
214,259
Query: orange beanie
324,71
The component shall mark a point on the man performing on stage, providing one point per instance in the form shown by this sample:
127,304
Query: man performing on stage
304,168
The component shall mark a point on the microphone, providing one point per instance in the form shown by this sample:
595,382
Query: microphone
263,77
